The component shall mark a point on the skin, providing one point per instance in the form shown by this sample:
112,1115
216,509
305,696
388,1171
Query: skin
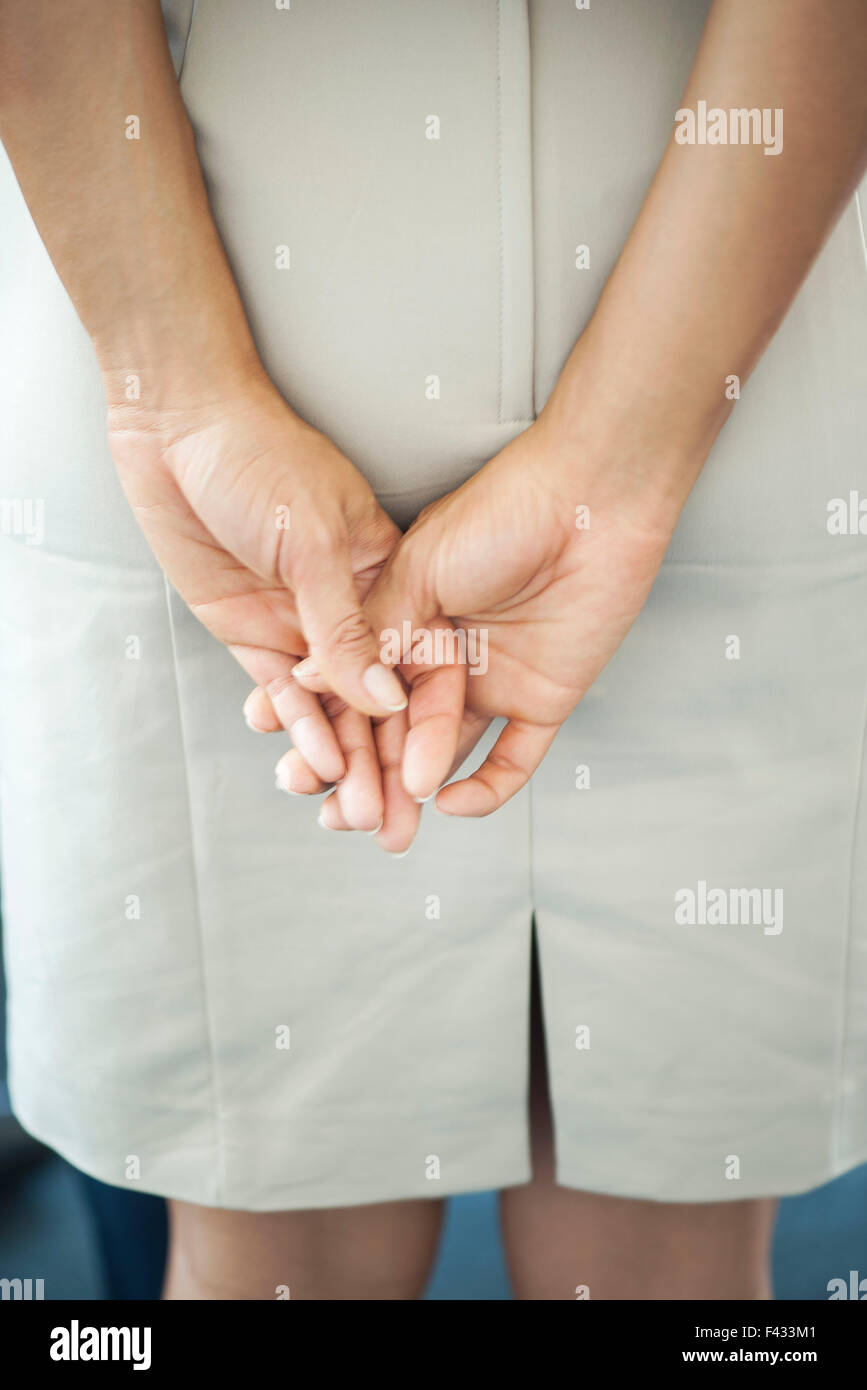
555,603
263,590
701,286
377,1253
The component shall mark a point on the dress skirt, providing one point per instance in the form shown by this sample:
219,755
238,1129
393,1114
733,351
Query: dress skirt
211,999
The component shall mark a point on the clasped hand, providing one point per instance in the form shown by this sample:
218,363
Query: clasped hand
542,559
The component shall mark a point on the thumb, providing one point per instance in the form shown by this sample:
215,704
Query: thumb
344,649
409,623
398,603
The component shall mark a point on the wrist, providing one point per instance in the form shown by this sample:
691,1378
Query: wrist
158,362
646,426
147,385
197,399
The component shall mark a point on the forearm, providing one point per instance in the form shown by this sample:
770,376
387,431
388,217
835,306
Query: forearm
125,220
727,233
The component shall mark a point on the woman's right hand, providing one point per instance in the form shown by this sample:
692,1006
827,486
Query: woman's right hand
272,537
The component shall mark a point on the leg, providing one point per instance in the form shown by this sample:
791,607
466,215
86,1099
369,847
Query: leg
378,1252
557,1238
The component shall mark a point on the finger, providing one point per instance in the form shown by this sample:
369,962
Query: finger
361,785
341,640
436,707
259,713
330,814
508,767
434,668
472,728
299,712
436,710
402,813
296,777
359,795
311,732
307,676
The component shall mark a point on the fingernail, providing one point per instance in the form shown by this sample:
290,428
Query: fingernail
320,820
381,682
402,854
305,669
251,699
376,829
281,780
422,799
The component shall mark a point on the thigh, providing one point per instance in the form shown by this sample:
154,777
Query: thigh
379,1252
564,1244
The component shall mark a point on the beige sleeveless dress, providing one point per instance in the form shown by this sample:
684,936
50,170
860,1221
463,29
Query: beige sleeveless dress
211,999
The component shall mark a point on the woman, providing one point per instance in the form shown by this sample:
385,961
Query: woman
457,273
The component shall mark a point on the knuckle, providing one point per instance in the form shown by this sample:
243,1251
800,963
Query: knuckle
350,634
503,763
308,548
333,705
277,686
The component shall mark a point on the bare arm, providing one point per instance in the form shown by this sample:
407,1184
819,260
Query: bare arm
210,456
722,242
727,233
125,220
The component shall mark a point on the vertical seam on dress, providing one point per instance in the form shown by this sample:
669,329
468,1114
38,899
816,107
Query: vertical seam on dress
838,1113
861,225
532,876
847,951
500,231
195,6
206,1001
